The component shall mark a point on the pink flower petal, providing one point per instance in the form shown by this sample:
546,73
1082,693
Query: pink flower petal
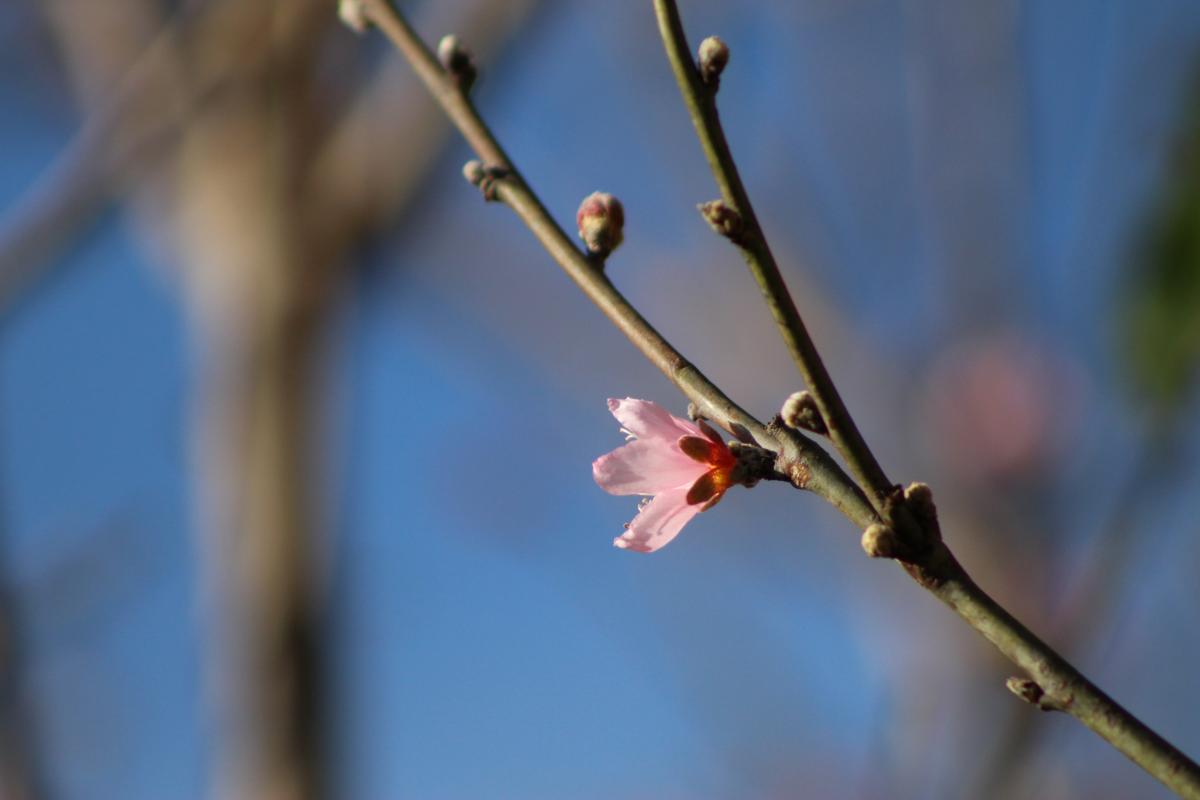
645,467
659,522
647,420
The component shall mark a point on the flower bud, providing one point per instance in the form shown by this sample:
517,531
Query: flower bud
800,411
722,219
457,61
713,56
601,221
353,15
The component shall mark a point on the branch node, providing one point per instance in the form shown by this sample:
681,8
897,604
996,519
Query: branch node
1032,692
457,61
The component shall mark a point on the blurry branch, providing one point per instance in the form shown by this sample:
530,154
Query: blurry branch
262,214
1056,683
910,535
80,585
225,183
131,129
1089,606
126,131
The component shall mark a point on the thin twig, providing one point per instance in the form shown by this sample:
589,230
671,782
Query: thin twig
934,568
701,103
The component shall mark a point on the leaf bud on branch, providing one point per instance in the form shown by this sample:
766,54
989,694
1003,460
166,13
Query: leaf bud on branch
713,55
457,62
800,412
723,219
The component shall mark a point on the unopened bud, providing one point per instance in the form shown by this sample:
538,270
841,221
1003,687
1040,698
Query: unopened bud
879,541
800,411
601,221
713,56
457,61
353,15
473,172
484,177
722,219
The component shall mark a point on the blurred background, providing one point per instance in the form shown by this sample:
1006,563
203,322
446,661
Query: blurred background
296,432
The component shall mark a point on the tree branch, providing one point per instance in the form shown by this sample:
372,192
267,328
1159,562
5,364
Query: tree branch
807,465
700,98
1060,685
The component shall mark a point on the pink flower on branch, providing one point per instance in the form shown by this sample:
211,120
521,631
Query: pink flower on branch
686,467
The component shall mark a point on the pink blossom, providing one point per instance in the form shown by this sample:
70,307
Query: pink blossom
686,468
